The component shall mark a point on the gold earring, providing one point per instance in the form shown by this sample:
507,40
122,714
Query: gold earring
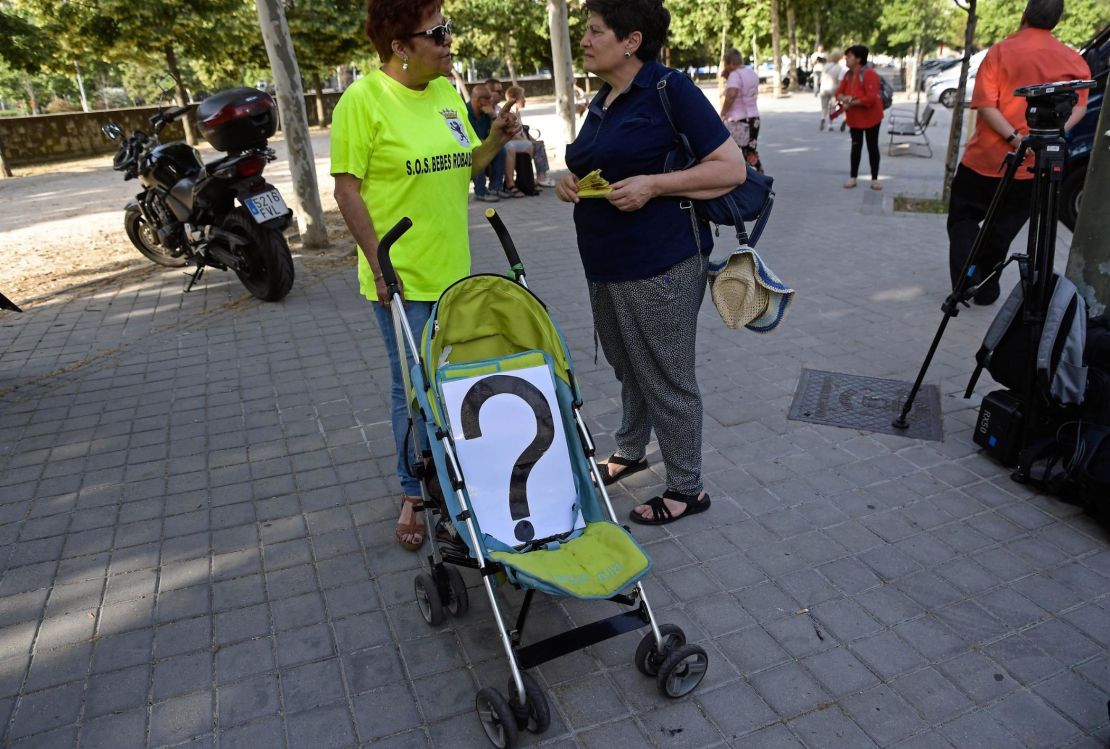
404,63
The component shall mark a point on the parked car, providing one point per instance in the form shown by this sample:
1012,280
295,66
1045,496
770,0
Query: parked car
943,89
1082,137
933,67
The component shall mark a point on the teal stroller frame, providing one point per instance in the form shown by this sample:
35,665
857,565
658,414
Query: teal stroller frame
663,653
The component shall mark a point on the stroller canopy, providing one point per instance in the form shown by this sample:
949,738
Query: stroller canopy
488,317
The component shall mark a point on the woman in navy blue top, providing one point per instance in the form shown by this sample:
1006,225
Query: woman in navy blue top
643,252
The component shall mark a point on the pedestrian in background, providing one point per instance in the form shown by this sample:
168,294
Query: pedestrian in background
644,255
739,110
830,74
480,112
858,95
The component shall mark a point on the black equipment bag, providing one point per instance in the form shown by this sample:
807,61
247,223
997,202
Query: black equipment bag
525,175
751,200
1073,464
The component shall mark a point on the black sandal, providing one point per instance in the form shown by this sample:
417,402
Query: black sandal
630,467
661,514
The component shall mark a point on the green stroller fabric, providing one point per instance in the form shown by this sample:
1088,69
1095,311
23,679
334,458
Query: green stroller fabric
599,563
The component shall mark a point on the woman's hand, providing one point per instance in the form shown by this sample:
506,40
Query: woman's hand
631,194
505,127
566,189
384,296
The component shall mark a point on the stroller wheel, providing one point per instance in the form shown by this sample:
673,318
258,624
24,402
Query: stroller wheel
498,720
535,716
459,602
427,599
682,671
648,657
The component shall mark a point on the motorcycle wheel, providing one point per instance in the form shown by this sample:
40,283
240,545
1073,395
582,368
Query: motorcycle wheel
145,239
268,271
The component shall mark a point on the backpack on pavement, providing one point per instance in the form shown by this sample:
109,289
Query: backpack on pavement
1061,373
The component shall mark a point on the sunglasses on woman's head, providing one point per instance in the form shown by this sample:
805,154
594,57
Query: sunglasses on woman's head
438,34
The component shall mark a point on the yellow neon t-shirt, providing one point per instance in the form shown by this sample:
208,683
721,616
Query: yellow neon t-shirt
412,151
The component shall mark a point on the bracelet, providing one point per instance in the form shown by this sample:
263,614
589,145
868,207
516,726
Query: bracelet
1013,135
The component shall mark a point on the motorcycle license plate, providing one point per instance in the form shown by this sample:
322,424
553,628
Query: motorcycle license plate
266,205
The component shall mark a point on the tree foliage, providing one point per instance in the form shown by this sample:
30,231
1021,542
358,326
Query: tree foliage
325,32
24,47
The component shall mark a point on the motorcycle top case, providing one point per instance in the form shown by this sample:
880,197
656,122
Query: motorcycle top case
237,119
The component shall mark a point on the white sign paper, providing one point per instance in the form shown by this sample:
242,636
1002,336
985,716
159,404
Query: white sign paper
513,452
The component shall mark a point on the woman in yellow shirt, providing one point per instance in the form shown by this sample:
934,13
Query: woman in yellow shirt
402,145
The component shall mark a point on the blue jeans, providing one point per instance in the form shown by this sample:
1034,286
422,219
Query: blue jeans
418,314
496,175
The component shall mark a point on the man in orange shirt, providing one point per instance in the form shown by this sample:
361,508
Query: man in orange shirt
1030,56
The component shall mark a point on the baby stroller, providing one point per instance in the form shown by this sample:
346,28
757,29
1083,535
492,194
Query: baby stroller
492,374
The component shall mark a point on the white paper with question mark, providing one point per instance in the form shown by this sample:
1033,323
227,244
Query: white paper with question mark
513,451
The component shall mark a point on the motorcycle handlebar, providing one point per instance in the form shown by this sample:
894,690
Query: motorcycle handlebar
386,243
173,114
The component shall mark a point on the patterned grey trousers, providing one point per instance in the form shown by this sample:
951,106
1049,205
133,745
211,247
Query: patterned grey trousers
647,330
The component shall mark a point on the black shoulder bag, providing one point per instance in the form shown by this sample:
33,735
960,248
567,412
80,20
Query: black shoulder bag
751,200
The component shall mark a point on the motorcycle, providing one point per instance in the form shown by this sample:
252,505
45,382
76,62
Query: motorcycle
186,213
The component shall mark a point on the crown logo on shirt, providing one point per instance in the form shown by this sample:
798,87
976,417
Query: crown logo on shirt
449,114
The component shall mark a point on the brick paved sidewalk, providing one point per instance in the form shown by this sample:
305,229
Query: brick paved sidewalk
197,518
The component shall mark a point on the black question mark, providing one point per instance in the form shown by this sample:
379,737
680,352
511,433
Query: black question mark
472,404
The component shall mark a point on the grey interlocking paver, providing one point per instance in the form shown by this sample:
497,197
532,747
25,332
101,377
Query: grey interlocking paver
196,494
789,689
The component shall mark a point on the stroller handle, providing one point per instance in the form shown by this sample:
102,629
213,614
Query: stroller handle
384,246
502,232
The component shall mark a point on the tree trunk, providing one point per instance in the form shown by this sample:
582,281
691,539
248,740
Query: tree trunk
30,87
5,170
1089,261
182,96
755,55
817,29
321,118
507,48
81,89
562,65
952,155
724,49
791,32
302,164
776,50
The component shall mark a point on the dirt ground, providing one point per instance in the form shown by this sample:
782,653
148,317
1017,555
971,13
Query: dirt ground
61,225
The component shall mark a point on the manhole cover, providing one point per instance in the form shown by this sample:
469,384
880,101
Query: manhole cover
867,403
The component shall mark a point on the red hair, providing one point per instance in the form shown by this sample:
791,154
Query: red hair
388,20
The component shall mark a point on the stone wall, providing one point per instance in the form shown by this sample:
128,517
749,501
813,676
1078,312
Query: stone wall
54,137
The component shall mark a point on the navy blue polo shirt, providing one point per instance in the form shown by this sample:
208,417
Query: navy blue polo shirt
482,123
633,137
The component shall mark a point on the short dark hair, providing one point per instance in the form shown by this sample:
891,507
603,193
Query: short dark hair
649,17
1043,14
858,51
387,20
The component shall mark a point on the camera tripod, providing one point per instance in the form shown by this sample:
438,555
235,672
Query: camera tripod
1047,110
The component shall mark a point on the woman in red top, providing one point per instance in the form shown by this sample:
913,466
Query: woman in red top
858,95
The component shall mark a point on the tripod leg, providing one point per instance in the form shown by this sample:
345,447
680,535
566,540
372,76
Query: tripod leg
951,304
901,422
